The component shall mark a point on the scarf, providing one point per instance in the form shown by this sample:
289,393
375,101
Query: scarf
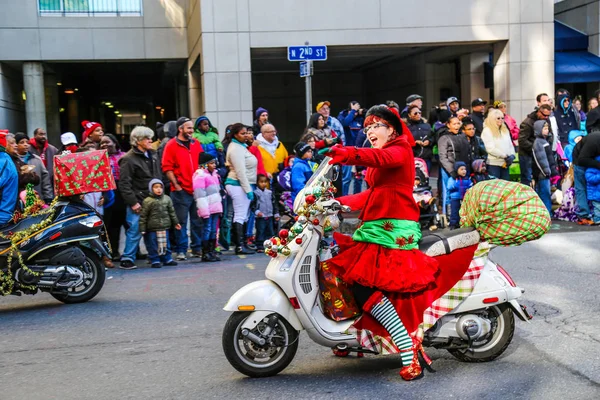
270,147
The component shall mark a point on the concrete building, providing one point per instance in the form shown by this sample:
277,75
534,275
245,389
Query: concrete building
224,58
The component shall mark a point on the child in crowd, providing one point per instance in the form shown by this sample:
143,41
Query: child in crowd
574,138
265,206
545,172
480,173
458,184
156,218
302,169
207,193
592,178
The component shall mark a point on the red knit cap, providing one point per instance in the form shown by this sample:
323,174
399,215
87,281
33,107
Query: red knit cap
3,133
89,127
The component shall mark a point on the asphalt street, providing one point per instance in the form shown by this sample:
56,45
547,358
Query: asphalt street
156,334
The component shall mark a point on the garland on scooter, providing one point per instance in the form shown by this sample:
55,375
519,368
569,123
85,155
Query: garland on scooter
310,209
33,208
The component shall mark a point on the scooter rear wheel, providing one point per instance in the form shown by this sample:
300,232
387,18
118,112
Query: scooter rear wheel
254,360
95,275
496,342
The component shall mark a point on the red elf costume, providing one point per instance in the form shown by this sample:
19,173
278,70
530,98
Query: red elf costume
391,279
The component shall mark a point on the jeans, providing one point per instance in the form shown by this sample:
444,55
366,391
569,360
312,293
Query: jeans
454,212
209,229
581,192
596,208
444,184
251,216
499,172
152,247
542,188
358,184
525,162
264,230
184,205
346,179
132,235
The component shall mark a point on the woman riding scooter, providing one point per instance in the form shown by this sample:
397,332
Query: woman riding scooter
382,258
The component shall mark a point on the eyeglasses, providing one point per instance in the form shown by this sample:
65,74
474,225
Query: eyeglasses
374,126
417,113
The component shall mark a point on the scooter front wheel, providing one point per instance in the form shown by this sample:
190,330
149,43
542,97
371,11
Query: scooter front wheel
255,360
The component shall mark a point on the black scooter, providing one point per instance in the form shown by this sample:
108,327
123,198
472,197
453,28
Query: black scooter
63,258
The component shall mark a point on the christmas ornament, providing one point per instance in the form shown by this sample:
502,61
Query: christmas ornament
267,244
283,234
298,240
310,199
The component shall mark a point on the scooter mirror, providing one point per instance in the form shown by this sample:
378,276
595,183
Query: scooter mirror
335,172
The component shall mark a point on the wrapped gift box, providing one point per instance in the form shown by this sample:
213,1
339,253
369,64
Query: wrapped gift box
80,173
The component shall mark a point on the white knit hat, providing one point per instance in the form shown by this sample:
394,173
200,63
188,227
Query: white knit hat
68,138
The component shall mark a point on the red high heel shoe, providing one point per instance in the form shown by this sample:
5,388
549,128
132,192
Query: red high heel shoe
415,369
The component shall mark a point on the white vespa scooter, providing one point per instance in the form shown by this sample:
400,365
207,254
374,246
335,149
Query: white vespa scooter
260,338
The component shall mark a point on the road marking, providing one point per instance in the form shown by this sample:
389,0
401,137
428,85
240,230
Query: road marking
250,266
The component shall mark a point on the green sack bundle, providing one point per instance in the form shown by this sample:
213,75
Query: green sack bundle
504,213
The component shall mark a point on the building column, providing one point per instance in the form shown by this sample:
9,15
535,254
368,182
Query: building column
52,109
225,72
524,66
472,82
195,90
35,105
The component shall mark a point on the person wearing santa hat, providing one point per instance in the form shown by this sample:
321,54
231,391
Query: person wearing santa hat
382,258
93,131
9,182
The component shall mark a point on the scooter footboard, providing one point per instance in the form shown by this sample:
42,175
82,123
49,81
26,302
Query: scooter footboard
266,298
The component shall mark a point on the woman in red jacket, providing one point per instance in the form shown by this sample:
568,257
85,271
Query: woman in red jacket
383,258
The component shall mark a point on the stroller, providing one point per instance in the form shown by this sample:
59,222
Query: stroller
422,193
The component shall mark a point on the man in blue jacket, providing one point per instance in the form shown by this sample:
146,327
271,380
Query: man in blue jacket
9,182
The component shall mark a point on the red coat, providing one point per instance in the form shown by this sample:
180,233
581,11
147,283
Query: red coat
390,176
182,161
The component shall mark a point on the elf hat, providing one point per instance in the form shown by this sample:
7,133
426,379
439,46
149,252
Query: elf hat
88,128
3,134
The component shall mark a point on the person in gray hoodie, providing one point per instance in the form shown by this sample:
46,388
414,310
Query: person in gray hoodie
265,208
545,172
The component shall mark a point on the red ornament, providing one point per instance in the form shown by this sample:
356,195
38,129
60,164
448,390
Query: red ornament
274,240
283,233
298,240
315,221
283,241
296,218
310,199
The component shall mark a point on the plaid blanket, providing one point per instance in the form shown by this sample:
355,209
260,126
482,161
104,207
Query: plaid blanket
504,213
439,308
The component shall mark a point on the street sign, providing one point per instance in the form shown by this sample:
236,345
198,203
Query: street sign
305,53
306,69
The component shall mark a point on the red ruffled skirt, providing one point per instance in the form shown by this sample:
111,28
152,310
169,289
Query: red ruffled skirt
389,270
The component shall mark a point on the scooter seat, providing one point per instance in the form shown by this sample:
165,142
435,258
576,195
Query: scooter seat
9,229
440,243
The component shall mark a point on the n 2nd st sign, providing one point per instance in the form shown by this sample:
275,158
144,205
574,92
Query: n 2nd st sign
307,53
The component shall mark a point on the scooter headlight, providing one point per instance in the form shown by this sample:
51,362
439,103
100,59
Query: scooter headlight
287,264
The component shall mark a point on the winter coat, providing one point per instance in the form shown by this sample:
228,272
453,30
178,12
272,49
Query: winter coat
136,170
544,164
242,166
592,123
452,148
571,146
337,127
209,141
513,127
260,167
44,188
457,187
158,213
497,147
271,161
589,149
527,136
592,178
477,149
183,162
47,155
322,134
301,173
390,178
421,131
567,118
477,118
352,123
265,203
9,187
207,192
480,177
